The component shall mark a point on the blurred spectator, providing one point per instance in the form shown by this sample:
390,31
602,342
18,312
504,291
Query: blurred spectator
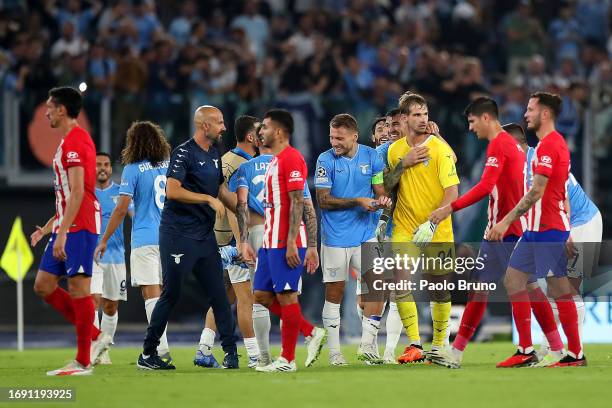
72,12
564,33
70,43
146,22
524,37
255,26
180,28
594,19
535,78
303,40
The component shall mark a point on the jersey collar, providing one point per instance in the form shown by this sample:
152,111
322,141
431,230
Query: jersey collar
240,152
107,188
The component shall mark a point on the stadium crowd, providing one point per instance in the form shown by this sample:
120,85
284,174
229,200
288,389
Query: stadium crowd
154,57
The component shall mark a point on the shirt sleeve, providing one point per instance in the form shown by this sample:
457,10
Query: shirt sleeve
392,160
377,168
239,179
382,151
492,170
324,173
74,153
447,172
545,159
307,191
295,172
129,180
179,165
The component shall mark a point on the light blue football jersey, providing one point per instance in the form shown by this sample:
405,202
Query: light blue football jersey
115,252
147,187
582,209
348,178
251,175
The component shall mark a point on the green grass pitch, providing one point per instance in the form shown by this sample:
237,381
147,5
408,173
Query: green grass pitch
477,384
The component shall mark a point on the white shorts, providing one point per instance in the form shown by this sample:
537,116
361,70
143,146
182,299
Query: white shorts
145,266
337,263
237,274
108,280
256,233
586,238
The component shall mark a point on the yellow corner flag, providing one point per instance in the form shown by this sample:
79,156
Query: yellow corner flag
17,257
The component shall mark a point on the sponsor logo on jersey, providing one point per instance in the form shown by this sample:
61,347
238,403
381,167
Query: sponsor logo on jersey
492,162
545,161
72,157
295,175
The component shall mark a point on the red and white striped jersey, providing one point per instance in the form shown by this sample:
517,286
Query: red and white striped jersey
287,172
502,179
76,150
552,159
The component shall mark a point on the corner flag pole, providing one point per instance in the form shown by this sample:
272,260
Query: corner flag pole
19,304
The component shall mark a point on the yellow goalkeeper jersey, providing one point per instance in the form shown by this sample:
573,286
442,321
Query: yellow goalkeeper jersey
421,188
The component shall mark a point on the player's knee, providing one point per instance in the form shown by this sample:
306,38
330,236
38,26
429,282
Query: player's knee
43,289
110,307
263,298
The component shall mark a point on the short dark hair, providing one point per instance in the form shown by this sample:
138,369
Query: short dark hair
344,120
282,117
105,155
393,112
516,131
408,99
376,122
243,125
550,100
68,97
482,105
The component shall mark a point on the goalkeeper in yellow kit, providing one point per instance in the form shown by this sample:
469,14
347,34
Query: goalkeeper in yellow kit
423,170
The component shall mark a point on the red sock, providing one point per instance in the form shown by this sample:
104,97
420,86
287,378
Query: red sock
546,319
84,313
569,321
291,315
521,312
472,315
305,326
62,302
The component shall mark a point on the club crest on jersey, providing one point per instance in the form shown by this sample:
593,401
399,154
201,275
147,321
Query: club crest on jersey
364,168
216,162
114,198
201,163
177,258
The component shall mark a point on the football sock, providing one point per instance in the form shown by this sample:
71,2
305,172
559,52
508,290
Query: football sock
580,309
521,312
369,329
96,320
250,343
440,313
61,301
261,326
568,316
83,312
306,327
291,316
331,321
207,341
472,316
407,310
546,319
394,329
109,324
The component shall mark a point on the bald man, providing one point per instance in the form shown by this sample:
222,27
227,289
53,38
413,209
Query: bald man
195,193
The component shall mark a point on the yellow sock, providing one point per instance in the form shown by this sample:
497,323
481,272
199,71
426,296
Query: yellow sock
440,313
410,318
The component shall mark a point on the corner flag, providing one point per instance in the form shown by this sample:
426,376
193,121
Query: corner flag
17,257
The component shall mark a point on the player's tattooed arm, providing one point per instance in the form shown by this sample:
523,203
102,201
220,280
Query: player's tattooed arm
296,211
392,178
533,195
310,220
242,214
329,202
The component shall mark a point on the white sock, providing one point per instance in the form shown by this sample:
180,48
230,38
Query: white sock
207,341
359,311
163,347
251,346
369,329
331,321
109,324
394,329
96,321
581,310
261,326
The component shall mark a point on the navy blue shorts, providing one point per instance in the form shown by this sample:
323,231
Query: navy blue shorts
80,248
274,275
541,254
495,257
